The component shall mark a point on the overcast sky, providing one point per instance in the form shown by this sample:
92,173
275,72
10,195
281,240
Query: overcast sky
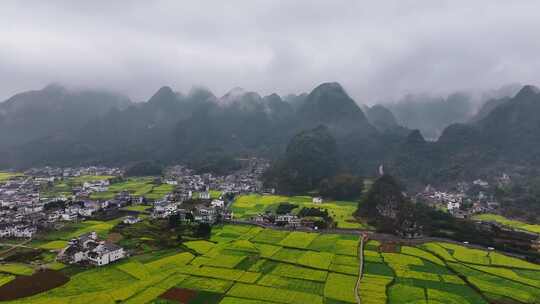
375,49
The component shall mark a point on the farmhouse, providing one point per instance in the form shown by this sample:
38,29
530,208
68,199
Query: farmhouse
317,200
17,231
204,195
88,248
287,220
131,220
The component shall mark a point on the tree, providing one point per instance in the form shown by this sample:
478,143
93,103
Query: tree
174,220
284,208
384,199
311,156
342,187
203,230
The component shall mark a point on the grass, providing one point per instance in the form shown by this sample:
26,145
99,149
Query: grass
298,239
4,176
347,247
438,250
313,259
498,286
421,254
270,236
246,206
244,246
138,208
16,268
264,293
266,250
245,264
404,293
5,278
79,180
222,260
200,247
324,242
176,260
206,284
467,255
504,260
508,274
373,289
508,222
136,186
288,255
158,192
135,269
292,284
233,300
54,245
101,228
340,287
297,272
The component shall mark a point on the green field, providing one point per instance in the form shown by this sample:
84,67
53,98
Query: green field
246,206
16,269
252,265
4,176
72,230
507,222
158,192
79,180
136,186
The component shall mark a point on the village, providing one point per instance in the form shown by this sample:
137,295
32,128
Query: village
26,209
464,201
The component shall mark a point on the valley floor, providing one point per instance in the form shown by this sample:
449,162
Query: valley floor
253,265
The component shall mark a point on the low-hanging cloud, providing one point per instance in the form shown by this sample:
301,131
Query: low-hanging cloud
377,50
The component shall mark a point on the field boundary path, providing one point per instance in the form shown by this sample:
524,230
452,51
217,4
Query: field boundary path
15,246
360,269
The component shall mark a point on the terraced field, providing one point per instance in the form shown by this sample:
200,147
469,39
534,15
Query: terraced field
446,273
252,265
507,222
246,206
135,186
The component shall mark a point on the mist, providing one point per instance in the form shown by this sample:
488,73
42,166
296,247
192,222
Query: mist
377,51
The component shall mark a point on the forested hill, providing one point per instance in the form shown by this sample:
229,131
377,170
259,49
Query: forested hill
507,139
56,126
173,127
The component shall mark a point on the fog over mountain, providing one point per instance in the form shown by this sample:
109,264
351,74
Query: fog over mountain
377,50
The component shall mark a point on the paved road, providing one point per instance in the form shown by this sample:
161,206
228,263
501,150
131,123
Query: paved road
360,270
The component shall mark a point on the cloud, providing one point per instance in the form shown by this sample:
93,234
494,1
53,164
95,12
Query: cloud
377,50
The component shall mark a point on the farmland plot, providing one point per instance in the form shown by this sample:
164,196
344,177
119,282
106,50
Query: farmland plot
340,287
298,239
251,265
257,292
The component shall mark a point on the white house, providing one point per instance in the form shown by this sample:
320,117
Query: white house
89,248
317,200
452,205
69,216
105,253
217,203
204,195
20,231
130,220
